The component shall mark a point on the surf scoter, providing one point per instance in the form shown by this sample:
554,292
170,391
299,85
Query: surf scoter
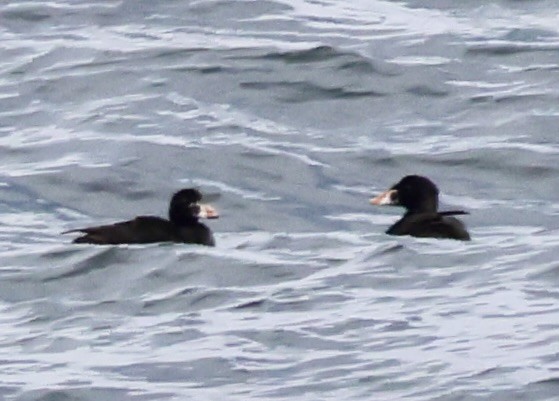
420,197
182,226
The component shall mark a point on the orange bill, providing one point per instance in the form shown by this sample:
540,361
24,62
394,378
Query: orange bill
389,197
207,212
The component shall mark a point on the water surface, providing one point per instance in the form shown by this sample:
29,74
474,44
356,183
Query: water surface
289,114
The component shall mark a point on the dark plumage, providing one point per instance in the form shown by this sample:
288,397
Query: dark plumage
420,197
182,226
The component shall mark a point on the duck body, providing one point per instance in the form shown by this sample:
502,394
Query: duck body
145,230
430,225
420,196
182,225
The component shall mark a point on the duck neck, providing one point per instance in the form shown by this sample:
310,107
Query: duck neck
179,218
427,206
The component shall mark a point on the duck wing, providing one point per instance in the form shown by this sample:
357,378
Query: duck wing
141,230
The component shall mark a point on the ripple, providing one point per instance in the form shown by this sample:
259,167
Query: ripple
500,47
300,92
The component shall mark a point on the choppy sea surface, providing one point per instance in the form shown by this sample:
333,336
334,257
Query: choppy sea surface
289,115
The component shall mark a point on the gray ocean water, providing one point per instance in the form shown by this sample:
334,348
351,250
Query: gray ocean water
289,115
